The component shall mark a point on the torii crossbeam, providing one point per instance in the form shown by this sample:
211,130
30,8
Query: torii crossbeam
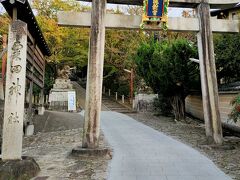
203,25
214,4
120,21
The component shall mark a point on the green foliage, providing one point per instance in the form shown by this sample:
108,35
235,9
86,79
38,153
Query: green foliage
68,45
109,71
4,21
227,57
36,90
162,105
235,114
120,47
123,89
49,77
49,8
166,68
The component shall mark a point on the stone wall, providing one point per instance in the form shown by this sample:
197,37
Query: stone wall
58,97
143,102
195,108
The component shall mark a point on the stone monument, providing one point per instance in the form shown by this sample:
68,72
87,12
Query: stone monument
58,97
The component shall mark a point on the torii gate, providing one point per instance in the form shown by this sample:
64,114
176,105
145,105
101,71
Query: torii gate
203,25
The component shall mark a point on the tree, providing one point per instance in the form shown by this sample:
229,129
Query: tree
235,114
120,47
227,57
167,70
49,8
4,22
69,46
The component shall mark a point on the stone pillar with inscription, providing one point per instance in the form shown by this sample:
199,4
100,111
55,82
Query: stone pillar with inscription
15,92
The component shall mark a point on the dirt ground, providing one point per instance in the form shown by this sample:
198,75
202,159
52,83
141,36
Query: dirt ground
192,133
56,135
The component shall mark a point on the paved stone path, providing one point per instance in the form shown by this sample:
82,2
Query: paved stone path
142,153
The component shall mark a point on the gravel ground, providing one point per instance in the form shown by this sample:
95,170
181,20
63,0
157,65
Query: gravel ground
52,145
192,133
58,133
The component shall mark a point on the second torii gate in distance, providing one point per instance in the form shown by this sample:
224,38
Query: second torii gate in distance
203,25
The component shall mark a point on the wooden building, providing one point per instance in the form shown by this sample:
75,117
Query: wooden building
37,50
229,13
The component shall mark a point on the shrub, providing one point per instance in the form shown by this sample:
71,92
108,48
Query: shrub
235,114
162,105
166,68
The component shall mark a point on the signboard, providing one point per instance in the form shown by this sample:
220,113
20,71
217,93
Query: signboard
154,8
58,96
71,101
15,91
155,12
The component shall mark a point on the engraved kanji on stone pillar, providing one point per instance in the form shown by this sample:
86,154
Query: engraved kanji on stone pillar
15,91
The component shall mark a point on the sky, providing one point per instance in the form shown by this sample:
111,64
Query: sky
173,12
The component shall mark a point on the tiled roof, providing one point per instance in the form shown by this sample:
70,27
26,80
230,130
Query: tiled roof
25,14
216,12
230,87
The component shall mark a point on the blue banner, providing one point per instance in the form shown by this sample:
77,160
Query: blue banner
155,8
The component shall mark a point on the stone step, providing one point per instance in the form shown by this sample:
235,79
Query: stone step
115,106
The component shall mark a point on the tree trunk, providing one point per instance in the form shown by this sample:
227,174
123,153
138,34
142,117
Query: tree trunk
178,106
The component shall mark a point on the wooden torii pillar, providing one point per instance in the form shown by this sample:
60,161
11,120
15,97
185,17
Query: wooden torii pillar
94,75
203,25
208,75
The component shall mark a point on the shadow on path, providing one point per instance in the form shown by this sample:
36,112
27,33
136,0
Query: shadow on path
53,121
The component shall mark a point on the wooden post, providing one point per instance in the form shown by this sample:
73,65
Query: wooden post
14,13
131,87
123,101
116,94
31,97
109,92
15,92
30,94
208,75
4,58
4,62
95,76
